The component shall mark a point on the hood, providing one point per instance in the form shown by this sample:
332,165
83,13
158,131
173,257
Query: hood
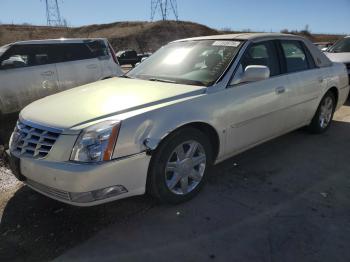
103,99
339,57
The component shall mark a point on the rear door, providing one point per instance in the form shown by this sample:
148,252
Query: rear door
305,81
103,52
76,65
32,76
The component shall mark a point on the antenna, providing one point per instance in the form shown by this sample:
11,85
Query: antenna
53,16
164,7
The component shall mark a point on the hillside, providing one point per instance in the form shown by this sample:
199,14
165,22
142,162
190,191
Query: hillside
141,36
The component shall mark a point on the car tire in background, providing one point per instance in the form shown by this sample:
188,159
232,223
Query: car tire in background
324,114
179,166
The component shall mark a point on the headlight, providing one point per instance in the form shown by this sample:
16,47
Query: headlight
96,143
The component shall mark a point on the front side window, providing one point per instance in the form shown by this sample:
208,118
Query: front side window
199,62
263,53
295,57
342,46
97,47
18,56
3,49
27,55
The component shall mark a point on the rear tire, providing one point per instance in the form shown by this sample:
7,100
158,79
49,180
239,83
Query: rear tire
180,166
324,114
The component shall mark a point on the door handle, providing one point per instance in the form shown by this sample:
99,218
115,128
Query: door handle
47,73
92,66
280,90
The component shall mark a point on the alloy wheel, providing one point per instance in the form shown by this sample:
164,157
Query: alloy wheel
326,111
185,167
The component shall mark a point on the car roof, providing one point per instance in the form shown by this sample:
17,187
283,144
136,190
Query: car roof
56,41
244,36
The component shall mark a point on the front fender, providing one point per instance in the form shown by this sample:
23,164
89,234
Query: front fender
147,130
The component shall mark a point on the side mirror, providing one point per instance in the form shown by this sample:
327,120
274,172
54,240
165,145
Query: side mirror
324,49
12,63
254,73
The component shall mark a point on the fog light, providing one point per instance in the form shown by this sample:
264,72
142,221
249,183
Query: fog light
81,197
99,194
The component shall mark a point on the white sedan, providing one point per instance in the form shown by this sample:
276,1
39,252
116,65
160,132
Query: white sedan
158,129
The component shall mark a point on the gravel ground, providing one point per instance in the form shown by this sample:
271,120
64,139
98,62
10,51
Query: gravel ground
286,200
7,180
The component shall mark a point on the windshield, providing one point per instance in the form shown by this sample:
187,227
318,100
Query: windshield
3,49
190,62
341,46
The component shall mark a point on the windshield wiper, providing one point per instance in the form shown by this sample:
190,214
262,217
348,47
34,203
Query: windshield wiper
194,82
161,80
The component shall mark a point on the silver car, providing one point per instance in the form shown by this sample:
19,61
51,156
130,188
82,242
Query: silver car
30,70
159,129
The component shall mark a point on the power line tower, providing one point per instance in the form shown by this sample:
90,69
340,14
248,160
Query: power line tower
53,16
164,7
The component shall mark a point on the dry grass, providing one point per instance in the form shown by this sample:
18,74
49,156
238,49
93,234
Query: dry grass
142,36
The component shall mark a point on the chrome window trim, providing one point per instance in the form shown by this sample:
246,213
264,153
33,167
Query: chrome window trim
238,58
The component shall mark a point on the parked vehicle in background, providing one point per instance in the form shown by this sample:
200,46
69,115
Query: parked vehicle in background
340,52
30,70
159,128
130,57
323,46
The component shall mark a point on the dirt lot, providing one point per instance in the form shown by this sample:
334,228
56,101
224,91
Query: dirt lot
286,200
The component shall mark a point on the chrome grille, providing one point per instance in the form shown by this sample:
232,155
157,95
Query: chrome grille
32,140
49,190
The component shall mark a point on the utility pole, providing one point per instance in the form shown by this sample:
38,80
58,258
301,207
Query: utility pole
53,16
164,7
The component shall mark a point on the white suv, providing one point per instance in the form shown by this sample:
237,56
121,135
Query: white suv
30,70
340,52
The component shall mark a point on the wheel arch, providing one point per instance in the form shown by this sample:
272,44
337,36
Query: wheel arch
335,92
203,127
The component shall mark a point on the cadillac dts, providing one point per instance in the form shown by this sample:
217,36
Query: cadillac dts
162,126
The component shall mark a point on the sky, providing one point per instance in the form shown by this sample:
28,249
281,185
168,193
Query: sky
322,16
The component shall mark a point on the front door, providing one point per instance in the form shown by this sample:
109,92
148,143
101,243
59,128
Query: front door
27,73
256,110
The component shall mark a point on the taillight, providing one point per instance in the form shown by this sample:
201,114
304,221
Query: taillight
113,54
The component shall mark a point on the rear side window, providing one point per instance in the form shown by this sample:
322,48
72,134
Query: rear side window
73,52
263,53
98,48
295,56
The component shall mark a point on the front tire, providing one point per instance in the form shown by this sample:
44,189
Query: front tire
180,166
324,114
